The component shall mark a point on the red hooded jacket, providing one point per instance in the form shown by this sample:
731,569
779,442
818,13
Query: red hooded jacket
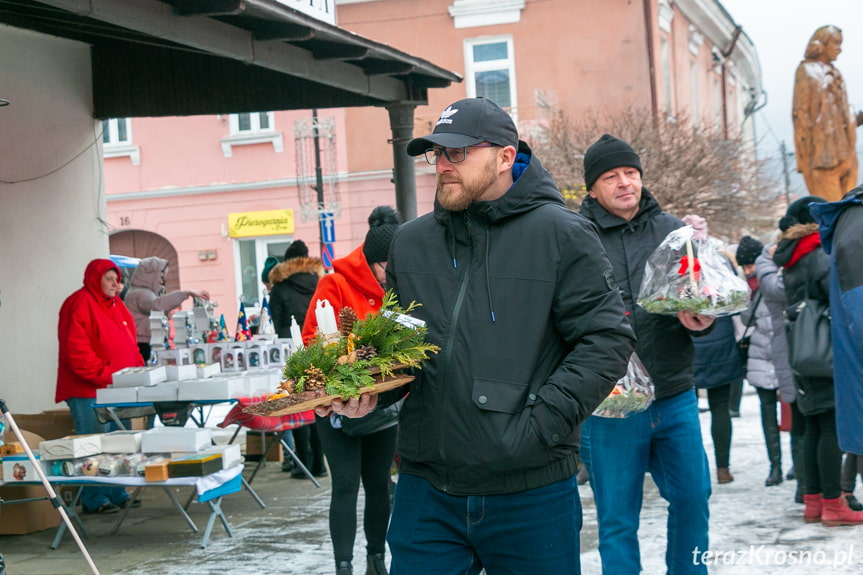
352,284
97,337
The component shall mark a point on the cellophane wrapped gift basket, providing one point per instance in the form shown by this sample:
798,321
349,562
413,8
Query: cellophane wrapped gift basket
688,274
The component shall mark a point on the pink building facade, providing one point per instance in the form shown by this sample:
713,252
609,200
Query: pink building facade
184,187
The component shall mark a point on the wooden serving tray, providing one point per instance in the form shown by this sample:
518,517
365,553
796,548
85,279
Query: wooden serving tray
296,404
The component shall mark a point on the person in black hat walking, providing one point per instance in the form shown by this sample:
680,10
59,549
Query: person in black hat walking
666,438
519,295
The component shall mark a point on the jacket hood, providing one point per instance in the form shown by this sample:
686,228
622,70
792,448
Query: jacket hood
93,275
796,242
827,214
357,272
532,187
294,266
592,210
148,274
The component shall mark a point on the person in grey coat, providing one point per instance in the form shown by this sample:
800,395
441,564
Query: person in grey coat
148,294
760,368
772,288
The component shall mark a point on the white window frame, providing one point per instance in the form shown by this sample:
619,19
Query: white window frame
472,68
261,243
116,148
254,135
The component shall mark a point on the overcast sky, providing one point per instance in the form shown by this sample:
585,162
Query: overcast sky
780,30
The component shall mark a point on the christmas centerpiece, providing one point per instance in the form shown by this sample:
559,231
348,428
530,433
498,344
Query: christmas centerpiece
688,274
365,355
631,394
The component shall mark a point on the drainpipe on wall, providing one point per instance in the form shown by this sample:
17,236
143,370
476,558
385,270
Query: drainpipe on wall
724,78
651,62
404,174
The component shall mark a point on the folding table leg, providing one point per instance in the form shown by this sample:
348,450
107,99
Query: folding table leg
215,511
126,510
299,463
180,507
73,515
253,493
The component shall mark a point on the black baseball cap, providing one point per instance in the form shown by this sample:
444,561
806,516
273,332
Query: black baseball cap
466,123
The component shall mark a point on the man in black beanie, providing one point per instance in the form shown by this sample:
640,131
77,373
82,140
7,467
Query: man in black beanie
666,438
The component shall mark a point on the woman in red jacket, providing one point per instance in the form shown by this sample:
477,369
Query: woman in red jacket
357,282
97,338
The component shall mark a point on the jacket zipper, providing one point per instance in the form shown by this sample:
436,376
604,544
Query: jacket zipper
456,311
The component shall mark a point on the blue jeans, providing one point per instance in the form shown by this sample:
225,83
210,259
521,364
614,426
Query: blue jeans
665,440
534,531
86,422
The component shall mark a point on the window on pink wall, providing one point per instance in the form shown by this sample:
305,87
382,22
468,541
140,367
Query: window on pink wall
490,67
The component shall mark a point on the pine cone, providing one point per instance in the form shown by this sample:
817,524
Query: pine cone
347,319
315,378
366,352
289,386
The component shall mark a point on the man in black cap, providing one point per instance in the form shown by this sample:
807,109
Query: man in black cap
666,438
517,292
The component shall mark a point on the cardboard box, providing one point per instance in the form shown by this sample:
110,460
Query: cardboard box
112,394
255,446
234,358
23,518
260,383
122,442
71,447
135,376
215,388
175,439
49,424
165,391
157,471
195,465
19,468
178,356
181,372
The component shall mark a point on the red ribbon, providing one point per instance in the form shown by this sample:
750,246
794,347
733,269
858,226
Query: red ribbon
684,267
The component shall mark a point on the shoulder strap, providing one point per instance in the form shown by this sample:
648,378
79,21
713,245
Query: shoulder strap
752,316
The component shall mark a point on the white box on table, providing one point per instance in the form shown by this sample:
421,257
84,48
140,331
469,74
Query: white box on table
71,447
122,442
215,351
165,391
234,358
231,454
209,370
213,388
175,440
257,356
113,394
135,376
200,353
181,372
178,356
260,383
19,468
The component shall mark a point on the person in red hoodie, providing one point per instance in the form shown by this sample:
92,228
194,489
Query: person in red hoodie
97,337
357,282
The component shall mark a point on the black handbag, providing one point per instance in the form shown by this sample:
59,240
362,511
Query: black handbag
744,342
810,343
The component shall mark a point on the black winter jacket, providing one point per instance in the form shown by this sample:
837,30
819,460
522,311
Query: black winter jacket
664,345
806,270
519,295
294,283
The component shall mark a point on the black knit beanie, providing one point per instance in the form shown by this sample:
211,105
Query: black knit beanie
606,154
748,251
383,223
297,249
798,212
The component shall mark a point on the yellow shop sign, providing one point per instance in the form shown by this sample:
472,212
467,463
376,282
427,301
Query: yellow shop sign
266,223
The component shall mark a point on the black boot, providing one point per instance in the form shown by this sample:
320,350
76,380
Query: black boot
376,565
344,568
797,459
770,426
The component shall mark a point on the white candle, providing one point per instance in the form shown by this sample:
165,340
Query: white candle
326,317
296,334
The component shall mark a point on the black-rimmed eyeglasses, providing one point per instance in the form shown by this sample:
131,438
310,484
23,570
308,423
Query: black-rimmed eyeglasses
453,155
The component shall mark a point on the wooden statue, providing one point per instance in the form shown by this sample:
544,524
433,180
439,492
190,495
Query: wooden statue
824,125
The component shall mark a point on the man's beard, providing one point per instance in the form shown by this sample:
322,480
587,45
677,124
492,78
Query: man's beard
456,193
